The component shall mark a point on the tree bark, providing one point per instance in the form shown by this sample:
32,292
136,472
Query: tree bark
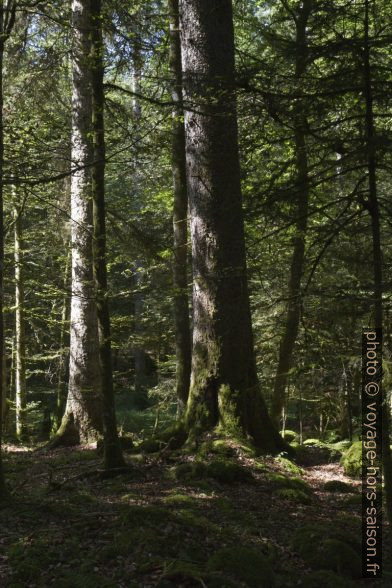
3,490
82,421
293,315
374,211
61,396
224,387
20,343
7,20
140,397
180,220
112,451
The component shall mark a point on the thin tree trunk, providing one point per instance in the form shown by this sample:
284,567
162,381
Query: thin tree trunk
374,211
112,451
224,386
4,404
180,221
82,421
138,297
20,343
7,20
297,262
3,490
61,395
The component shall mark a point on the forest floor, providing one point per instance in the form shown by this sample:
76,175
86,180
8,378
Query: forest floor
171,522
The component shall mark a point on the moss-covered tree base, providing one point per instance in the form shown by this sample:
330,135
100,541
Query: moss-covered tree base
66,436
242,416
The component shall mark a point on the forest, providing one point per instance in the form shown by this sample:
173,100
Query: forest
195,293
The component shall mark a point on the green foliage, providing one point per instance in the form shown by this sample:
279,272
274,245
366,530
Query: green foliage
243,564
352,460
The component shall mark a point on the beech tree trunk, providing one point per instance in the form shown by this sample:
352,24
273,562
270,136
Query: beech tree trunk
20,344
293,315
180,220
224,387
82,421
112,451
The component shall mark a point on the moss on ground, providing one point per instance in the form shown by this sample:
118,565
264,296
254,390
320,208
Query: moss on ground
338,486
353,500
294,495
289,436
221,470
352,460
315,452
329,548
289,466
179,499
325,579
220,447
150,446
181,573
242,564
279,482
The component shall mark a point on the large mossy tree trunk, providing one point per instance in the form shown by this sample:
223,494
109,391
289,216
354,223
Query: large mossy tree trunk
112,451
82,421
224,387
374,211
20,342
180,217
293,313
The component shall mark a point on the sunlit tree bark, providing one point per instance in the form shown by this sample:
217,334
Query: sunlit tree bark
20,344
82,421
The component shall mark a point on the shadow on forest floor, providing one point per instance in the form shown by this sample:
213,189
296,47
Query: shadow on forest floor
230,520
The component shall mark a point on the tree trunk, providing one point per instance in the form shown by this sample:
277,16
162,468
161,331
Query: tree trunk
20,343
7,20
112,451
302,195
374,211
3,490
180,221
140,397
224,386
82,421
61,396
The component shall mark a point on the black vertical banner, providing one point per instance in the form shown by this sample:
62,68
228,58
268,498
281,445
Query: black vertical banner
371,453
